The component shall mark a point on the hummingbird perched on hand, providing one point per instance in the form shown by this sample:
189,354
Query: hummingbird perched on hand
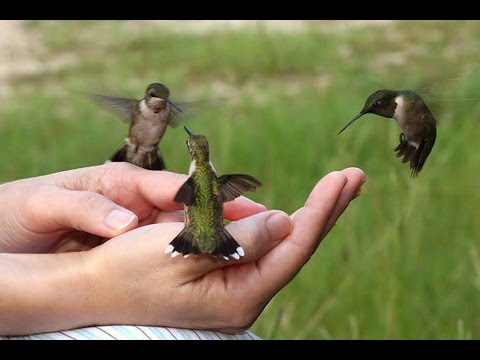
148,120
414,118
203,195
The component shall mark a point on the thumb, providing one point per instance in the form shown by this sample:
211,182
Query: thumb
55,208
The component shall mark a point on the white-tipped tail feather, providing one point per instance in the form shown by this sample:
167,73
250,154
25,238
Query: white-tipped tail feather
226,246
169,249
240,251
236,255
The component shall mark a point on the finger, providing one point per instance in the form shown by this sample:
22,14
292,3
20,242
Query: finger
138,189
356,178
170,216
256,234
124,183
241,207
282,263
235,210
54,209
162,197
160,192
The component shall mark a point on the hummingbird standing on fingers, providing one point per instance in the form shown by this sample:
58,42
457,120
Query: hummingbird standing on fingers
418,125
203,195
148,120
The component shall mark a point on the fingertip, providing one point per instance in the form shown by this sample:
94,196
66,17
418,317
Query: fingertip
120,220
335,180
355,171
279,225
242,207
258,233
356,179
249,202
337,176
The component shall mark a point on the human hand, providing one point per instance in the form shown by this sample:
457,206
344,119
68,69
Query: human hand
79,209
137,283
130,280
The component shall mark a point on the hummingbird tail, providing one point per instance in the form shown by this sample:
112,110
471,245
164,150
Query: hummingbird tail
152,160
182,244
120,155
226,247
416,154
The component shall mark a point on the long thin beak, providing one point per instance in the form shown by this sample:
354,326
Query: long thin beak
359,115
175,106
188,131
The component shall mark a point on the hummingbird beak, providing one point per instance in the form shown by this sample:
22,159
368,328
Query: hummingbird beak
175,106
188,131
359,115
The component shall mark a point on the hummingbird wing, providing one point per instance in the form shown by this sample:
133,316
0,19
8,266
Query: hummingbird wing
185,110
443,87
120,106
185,194
421,155
234,185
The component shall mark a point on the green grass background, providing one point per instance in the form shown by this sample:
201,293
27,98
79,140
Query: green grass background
403,261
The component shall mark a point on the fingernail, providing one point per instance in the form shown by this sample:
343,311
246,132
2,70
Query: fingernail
119,219
279,225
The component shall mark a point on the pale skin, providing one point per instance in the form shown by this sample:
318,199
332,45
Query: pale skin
63,267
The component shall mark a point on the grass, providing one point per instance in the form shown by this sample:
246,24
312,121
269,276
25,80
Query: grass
404,260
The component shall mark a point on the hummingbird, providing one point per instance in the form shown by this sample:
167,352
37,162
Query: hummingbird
203,195
418,125
148,120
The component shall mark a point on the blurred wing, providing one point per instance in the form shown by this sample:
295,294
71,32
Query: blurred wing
234,185
122,107
190,109
443,88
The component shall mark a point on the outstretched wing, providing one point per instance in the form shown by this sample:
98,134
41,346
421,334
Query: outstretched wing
186,193
120,106
444,88
186,110
234,185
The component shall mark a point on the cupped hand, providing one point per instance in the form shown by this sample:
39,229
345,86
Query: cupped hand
135,282
79,209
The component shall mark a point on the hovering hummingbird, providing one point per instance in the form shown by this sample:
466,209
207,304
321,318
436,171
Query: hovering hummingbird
414,118
148,120
203,195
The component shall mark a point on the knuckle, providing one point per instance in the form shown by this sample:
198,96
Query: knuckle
36,198
115,175
120,167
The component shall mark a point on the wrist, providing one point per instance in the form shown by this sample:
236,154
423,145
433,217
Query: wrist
45,292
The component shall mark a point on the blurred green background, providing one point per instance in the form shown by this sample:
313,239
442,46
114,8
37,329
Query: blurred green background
404,260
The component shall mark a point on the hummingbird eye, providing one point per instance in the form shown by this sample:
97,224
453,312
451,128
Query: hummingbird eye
151,93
